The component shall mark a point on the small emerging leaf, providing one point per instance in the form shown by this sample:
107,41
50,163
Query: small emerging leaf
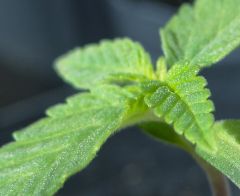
182,100
161,71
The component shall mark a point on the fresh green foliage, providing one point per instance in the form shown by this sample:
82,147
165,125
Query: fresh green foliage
46,153
121,60
181,100
170,103
227,156
203,34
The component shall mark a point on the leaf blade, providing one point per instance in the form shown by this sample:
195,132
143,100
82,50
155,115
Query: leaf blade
226,158
54,148
98,63
182,101
202,34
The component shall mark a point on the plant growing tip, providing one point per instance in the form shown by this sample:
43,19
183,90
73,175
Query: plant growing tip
170,103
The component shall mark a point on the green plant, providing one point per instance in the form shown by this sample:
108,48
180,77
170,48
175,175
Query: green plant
170,103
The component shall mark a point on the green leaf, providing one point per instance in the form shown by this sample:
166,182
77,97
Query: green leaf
120,60
47,152
202,34
182,100
226,158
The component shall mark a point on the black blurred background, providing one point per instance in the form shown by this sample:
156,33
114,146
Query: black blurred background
33,33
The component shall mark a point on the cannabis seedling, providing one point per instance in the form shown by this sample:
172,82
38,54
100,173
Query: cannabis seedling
123,89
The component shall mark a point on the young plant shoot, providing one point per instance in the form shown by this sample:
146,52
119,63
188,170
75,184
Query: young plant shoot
122,88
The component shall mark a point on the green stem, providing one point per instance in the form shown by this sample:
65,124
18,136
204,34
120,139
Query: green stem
218,182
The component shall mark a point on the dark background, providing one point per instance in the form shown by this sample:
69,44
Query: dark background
33,33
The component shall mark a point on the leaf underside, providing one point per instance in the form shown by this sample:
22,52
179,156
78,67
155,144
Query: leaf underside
163,132
202,34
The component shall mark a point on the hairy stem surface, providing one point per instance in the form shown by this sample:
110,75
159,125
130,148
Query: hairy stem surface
217,181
